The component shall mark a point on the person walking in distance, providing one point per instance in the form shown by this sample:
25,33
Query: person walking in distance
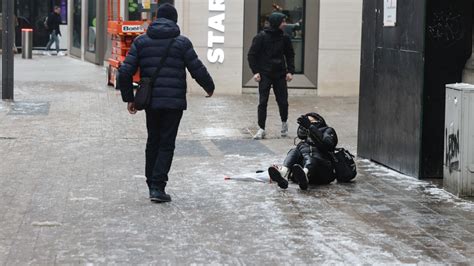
162,39
272,61
52,24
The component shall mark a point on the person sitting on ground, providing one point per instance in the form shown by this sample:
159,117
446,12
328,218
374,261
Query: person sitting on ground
310,161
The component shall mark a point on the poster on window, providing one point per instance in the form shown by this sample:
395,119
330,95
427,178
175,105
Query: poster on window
389,13
146,4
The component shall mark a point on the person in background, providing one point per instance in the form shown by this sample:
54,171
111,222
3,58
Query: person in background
272,61
52,24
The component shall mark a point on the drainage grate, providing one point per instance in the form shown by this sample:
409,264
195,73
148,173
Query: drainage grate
29,108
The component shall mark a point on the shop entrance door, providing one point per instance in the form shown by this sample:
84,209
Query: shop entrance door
303,29
76,28
95,31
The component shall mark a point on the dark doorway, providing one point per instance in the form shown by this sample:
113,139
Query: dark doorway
448,45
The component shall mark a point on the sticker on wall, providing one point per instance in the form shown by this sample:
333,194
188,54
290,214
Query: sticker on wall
132,28
389,13
146,4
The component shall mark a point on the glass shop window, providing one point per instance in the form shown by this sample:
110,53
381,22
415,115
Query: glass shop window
92,25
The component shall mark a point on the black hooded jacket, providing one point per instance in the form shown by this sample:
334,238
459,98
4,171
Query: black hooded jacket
54,20
321,138
271,52
169,89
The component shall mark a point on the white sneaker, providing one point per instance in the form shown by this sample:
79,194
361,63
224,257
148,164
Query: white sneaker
61,54
284,129
260,134
279,174
47,53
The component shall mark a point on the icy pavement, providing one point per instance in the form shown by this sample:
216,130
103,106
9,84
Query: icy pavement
72,189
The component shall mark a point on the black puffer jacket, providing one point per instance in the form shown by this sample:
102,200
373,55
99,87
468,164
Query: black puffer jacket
320,142
271,52
169,90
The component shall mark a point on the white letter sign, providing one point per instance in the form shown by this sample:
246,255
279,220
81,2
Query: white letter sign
216,32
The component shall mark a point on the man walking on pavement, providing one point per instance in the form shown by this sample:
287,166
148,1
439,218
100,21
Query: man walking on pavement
169,91
52,24
272,60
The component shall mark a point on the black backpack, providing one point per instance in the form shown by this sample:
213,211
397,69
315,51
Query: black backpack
344,165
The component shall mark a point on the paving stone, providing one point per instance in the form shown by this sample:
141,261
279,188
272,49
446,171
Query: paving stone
241,147
190,148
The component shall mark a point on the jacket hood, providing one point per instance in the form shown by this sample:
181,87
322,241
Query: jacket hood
163,28
275,19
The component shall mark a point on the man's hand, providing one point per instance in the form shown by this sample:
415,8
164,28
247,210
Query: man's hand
304,121
131,108
289,77
257,77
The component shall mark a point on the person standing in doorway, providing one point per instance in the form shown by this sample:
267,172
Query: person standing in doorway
272,61
52,24
169,91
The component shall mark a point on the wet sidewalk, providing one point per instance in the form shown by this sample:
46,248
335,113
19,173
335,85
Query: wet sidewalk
72,188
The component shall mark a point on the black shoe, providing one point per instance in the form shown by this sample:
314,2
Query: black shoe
300,176
275,175
159,195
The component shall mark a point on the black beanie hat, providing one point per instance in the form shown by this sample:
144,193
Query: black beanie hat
167,11
275,19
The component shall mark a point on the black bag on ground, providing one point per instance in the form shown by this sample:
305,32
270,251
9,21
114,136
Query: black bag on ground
145,88
344,165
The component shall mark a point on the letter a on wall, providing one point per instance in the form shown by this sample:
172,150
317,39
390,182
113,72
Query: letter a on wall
217,22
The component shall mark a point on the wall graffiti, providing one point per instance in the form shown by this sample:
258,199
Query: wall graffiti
452,152
446,27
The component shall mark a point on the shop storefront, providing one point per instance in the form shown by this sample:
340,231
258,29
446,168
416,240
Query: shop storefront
303,25
31,14
87,21
325,36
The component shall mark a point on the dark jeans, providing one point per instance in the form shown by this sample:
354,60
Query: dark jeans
53,37
320,170
281,94
162,126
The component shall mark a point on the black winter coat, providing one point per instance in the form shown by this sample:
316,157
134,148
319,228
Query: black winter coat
54,20
272,53
322,141
169,89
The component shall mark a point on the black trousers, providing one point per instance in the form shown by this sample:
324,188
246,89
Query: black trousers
320,170
162,126
281,94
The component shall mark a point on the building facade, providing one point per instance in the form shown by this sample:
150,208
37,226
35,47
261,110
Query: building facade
325,35
407,60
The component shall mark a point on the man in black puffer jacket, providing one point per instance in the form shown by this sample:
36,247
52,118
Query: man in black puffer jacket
169,91
310,162
272,60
